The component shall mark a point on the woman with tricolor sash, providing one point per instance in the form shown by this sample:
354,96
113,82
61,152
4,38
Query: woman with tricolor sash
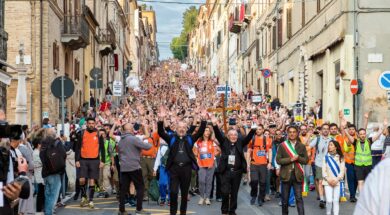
333,170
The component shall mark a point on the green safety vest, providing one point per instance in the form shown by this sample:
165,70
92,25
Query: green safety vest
109,146
363,157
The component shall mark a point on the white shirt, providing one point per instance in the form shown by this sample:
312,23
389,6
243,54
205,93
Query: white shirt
160,153
375,198
378,144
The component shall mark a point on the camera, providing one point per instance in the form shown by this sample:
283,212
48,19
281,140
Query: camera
9,131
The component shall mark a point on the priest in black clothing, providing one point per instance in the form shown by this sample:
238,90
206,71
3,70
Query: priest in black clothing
232,165
181,159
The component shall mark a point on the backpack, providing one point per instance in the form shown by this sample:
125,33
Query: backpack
164,158
56,156
153,190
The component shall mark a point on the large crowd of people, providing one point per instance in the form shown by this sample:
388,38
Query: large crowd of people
160,139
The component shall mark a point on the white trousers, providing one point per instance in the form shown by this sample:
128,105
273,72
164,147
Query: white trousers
332,197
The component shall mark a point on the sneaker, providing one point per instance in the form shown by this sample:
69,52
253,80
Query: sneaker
353,199
207,201
191,192
100,195
146,199
131,202
260,202
142,212
113,191
267,198
106,195
83,202
322,204
280,203
162,203
201,201
91,205
219,199
253,200
292,205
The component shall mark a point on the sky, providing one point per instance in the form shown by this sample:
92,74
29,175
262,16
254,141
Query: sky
169,22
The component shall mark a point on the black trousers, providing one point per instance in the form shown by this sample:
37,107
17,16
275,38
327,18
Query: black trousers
217,184
125,179
258,177
180,177
230,181
40,198
297,193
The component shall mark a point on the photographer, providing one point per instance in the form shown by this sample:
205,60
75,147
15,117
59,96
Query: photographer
13,168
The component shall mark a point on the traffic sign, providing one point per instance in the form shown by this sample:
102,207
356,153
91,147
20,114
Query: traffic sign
56,87
356,86
96,73
96,84
117,88
384,80
266,73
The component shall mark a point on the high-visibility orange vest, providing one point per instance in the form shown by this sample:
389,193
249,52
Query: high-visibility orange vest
205,153
90,145
259,155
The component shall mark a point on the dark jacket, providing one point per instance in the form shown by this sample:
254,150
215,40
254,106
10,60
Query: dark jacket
46,143
174,148
225,144
286,166
80,142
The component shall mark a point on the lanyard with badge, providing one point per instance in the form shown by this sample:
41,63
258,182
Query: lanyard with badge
232,156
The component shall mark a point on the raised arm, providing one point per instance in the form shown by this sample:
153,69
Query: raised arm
200,132
366,115
350,138
248,137
376,137
161,132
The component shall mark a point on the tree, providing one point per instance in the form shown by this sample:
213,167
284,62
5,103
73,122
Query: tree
179,45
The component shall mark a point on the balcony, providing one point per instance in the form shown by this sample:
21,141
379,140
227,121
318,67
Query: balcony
234,24
107,41
3,45
247,16
75,32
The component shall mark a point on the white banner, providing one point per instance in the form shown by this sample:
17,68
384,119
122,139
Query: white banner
221,89
191,93
256,99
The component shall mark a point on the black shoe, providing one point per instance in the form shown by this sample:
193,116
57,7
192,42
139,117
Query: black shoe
353,199
191,192
260,202
253,200
322,204
277,195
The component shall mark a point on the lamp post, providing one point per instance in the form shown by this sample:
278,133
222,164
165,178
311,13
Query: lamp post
21,93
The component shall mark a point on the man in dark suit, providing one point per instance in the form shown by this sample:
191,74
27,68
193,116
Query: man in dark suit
232,165
291,156
181,159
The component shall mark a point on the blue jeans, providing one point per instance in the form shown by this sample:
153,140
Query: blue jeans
164,183
52,189
351,178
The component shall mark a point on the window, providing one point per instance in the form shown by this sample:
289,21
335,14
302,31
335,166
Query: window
76,69
280,32
77,10
56,56
303,13
219,39
274,37
318,6
337,74
289,23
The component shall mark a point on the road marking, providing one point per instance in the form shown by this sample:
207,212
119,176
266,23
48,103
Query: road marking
158,211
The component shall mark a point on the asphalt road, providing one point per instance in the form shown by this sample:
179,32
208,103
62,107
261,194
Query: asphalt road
110,206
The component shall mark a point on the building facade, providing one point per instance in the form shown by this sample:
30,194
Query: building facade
313,50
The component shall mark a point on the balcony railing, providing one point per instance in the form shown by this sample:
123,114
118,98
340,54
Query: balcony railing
75,31
107,40
3,45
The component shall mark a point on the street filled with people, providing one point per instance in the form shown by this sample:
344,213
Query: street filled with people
173,138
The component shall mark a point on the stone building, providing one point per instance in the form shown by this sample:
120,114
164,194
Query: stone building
5,79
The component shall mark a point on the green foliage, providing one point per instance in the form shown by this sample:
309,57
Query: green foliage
179,44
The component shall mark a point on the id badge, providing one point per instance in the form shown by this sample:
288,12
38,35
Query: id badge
231,160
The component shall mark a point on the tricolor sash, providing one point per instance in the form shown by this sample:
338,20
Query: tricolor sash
335,168
292,153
